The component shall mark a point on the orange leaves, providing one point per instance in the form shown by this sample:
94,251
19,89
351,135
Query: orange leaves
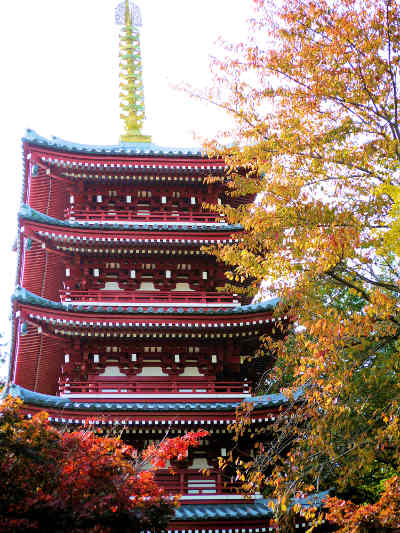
382,516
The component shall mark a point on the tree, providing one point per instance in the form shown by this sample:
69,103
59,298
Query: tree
382,517
314,99
79,481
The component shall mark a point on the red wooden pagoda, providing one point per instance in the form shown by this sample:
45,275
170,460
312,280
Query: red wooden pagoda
118,317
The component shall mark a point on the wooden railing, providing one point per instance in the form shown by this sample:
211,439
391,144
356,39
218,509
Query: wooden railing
192,483
148,297
116,215
137,385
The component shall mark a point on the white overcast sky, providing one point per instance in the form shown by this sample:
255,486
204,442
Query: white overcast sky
59,76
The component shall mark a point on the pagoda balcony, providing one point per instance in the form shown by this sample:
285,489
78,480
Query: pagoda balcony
183,299
142,216
192,485
153,388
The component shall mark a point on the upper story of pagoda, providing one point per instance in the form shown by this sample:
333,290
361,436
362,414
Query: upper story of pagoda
133,183
122,225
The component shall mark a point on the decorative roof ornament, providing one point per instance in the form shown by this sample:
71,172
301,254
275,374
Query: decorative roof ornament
128,15
120,12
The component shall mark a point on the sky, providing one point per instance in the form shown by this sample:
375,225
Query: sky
59,72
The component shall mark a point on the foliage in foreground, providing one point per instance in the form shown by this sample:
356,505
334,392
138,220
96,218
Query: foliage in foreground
315,101
78,481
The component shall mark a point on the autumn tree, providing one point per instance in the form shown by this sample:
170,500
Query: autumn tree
79,481
315,140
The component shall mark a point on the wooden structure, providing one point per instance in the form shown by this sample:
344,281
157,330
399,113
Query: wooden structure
118,315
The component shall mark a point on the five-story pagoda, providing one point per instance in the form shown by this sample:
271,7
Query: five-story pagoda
118,317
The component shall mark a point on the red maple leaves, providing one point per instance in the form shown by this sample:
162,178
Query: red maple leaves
79,481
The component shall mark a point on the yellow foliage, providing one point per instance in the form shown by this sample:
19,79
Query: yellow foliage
314,99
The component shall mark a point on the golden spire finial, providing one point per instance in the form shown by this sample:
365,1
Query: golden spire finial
132,93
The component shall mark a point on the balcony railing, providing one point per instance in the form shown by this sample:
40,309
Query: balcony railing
192,483
152,387
149,298
137,216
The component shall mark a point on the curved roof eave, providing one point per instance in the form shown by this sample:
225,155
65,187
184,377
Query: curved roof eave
227,511
48,401
124,149
26,297
27,213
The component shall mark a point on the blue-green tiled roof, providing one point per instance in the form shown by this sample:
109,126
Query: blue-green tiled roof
133,149
55,402
230,511
24,296
27,213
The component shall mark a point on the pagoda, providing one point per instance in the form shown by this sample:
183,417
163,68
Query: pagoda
119,315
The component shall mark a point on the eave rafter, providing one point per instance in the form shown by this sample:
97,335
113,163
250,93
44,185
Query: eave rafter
46,243
42,170
154,417
130,172
92,165
177,422
67,239
105,249
144,325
